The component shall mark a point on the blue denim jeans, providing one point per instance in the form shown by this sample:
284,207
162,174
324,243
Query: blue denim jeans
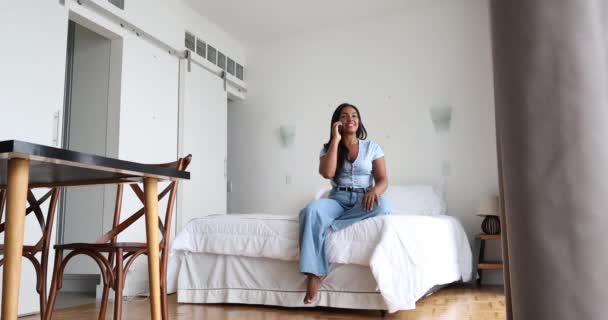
339,211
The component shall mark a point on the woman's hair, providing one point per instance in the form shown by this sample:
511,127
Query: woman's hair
342,150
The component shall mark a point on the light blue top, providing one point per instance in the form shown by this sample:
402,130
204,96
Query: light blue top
358,174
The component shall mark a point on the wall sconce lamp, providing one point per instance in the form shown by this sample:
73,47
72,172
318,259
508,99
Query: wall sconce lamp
441,117
288,135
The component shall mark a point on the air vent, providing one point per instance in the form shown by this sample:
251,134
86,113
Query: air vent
190,41
211,54
207,51
221,60
239,71
230,66
118,3
201,48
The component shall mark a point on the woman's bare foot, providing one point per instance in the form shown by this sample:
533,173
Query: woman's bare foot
313,284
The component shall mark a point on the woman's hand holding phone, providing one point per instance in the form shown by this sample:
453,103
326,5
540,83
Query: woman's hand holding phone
337,131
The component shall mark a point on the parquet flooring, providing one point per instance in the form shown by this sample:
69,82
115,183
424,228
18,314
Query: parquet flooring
446,304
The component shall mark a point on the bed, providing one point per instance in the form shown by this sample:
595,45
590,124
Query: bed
381,263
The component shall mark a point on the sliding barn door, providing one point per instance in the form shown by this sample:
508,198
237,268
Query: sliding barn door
204,135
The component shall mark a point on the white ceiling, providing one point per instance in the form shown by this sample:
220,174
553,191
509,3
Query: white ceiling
252,21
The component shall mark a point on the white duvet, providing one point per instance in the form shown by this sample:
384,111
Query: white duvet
407,254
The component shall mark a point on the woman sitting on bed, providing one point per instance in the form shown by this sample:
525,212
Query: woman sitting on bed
357,171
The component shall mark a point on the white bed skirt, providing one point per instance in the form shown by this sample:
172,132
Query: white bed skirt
212,278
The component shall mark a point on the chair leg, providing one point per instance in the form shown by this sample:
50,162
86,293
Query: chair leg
119,284
44,266
104,302
55,285
106,291
40,270
42,294
163,285
163,298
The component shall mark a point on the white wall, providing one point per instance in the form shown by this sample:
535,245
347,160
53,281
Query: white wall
394,69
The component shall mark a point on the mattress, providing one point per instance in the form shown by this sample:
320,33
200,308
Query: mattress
406,254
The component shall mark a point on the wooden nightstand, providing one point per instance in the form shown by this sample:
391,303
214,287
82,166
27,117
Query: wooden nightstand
479,262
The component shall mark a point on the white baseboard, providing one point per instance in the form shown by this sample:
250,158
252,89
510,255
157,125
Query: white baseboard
132,289
80,282
136,288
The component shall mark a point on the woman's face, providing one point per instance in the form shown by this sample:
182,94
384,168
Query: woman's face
350,120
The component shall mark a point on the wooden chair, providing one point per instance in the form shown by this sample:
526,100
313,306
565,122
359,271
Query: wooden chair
42,246
120,255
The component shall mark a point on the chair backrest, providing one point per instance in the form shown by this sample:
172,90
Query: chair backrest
34,204
170,190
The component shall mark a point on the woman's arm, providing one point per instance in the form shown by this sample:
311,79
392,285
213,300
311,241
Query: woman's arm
328,162
380,177
380,184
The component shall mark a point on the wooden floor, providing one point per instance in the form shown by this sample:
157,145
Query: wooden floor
453,303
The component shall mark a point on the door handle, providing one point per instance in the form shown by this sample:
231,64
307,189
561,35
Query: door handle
225,168
56,125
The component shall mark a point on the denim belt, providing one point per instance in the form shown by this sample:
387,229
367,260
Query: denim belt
351,189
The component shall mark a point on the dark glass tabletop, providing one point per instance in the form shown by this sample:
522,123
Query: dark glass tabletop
60,167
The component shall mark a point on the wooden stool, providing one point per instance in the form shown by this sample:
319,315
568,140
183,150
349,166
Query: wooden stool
479,262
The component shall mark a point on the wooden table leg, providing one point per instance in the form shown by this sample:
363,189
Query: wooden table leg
151,209
16,196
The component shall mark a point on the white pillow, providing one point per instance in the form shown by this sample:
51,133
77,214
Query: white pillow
415,199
